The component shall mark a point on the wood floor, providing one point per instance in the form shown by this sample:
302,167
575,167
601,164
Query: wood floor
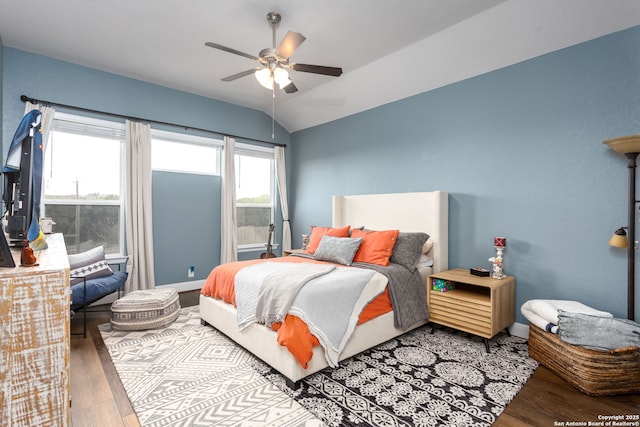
98,398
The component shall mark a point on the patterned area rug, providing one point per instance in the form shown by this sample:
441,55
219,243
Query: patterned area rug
192,375
445,378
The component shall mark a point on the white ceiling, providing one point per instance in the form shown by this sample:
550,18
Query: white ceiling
388,49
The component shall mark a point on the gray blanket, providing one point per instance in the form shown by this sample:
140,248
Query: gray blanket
598,333
279,289
406,289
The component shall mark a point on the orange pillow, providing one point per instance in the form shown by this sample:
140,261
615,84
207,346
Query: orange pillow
376,246
318,232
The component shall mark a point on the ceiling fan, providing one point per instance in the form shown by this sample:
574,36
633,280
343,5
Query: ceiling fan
274,61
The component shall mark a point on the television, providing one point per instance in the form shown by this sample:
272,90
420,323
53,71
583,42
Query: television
19,186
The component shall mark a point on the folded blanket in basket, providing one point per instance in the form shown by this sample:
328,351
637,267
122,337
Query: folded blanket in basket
598,333
544,313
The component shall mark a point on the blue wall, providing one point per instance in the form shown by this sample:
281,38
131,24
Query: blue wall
186,207
520,152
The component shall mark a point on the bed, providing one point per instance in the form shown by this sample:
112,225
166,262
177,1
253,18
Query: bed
408,212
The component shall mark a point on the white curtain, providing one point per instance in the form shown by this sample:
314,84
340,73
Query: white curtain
281,174
229,235
138,207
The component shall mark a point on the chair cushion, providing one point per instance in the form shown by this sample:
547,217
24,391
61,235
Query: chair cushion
96,288
145,309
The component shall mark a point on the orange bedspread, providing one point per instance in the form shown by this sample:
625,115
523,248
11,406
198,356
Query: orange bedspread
293,332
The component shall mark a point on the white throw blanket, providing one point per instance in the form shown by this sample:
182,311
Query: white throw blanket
330,304
544,313
280,288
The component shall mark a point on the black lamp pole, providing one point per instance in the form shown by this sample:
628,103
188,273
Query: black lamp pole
631,259
630,147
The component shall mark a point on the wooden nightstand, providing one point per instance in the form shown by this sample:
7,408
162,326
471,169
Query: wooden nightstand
292,251
479,305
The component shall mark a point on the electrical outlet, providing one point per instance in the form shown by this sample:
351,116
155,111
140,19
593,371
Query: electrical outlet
191,271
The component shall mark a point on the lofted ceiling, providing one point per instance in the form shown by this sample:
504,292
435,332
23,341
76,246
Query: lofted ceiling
388,50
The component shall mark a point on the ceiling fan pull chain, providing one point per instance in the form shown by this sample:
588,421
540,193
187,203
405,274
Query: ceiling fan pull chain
273,112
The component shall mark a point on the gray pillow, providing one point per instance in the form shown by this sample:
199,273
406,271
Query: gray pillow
340,250
408,249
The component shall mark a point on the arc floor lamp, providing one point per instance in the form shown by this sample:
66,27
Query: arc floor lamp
630,147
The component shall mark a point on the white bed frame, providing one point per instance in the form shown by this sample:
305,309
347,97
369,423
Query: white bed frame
409,212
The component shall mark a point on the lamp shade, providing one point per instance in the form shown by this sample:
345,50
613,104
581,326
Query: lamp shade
624,144
281,77
264,77
619,239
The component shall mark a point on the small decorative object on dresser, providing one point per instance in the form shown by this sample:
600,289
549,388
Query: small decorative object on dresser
27,257
477,271
500,243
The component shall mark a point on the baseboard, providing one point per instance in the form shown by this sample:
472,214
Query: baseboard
519,330
185,286
106,300
180,287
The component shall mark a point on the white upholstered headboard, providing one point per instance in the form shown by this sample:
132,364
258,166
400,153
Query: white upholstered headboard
410,212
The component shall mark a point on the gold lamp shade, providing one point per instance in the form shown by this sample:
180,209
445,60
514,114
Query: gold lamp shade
624,144
619,239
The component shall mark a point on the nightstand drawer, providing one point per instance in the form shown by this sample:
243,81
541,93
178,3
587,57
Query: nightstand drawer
480,327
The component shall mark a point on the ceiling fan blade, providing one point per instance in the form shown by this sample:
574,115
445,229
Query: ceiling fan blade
317,69
289,44
238,75
230,50
290,88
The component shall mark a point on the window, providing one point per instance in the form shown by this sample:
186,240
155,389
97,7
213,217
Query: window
255,176
83,182
175,152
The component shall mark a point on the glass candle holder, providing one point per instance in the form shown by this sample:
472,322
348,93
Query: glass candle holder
500,243
497,271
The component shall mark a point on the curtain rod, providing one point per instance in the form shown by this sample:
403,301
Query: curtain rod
25,98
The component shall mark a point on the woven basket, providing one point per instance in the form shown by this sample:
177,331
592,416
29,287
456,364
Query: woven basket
596,373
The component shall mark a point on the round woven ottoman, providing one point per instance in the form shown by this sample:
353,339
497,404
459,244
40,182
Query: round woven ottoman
146,309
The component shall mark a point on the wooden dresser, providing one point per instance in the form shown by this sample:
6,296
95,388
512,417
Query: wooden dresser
34,339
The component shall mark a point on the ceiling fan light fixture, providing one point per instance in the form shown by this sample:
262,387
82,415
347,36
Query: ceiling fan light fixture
265,78
281,76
